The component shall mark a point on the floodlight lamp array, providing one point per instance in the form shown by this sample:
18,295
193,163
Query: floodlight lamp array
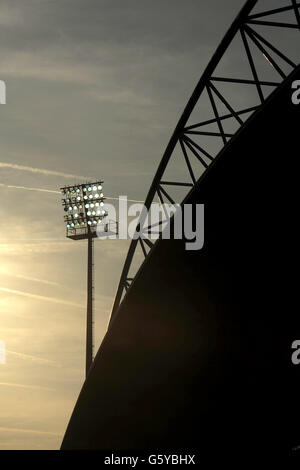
84,205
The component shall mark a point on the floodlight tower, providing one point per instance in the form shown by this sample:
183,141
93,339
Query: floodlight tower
84,207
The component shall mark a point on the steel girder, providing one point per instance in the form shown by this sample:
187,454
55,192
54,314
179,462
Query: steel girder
245,29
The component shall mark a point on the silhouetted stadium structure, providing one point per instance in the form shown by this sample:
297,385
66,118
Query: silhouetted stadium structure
198,350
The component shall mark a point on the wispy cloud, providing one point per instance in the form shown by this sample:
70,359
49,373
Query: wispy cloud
27,246
9,16
44,67
28,278
33,387
122,96
37,359
41,171
31,431
41,297
27,188
58,192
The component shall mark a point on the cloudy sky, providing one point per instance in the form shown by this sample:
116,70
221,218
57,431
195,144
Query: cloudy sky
94,88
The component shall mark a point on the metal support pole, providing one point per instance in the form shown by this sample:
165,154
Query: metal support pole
89,317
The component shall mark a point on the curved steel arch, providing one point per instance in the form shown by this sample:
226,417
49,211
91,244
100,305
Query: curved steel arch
242,24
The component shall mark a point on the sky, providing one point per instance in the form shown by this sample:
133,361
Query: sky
94,89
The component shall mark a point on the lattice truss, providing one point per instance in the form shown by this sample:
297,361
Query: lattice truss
257,53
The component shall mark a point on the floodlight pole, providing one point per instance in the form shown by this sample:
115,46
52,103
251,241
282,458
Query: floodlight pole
89,316
81,225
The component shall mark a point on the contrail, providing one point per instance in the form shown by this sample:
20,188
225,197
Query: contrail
39,360
28,278
34,279
42,171
35,387
31,431
56,192
121,199
29,189
40,297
